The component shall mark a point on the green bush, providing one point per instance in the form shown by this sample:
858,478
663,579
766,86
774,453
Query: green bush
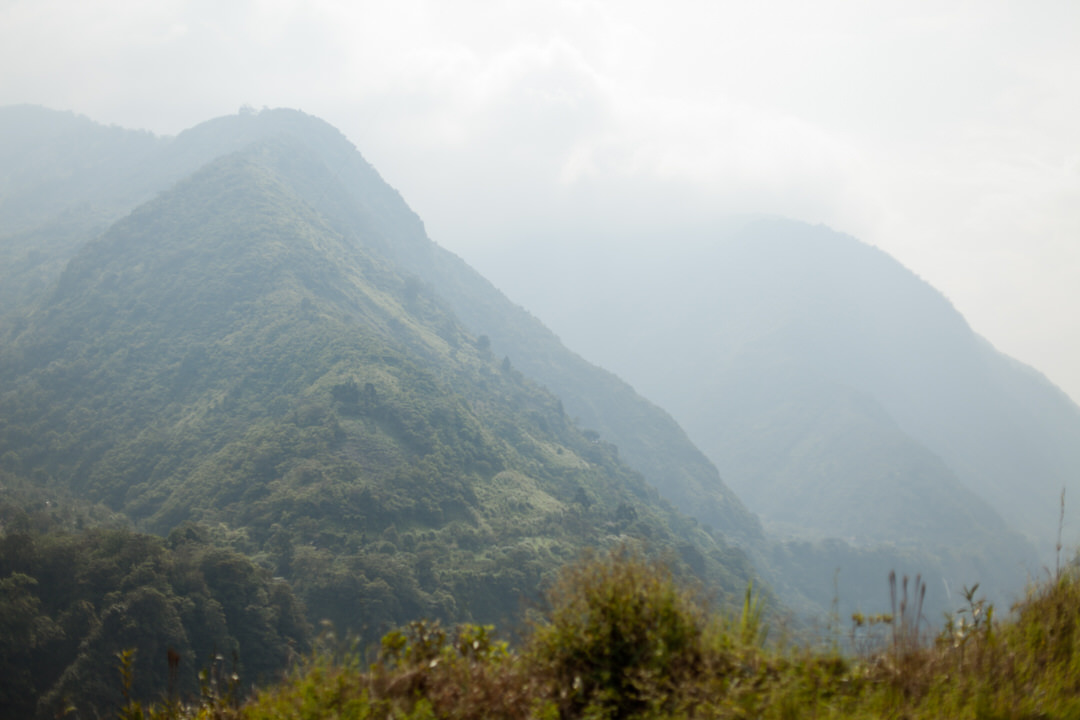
621,637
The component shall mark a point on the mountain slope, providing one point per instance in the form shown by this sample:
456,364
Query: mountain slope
222,355
647,437
849,314
839,394
349,194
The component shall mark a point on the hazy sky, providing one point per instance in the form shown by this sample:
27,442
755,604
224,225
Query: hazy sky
946,133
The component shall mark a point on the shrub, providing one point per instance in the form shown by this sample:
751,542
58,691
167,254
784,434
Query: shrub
621,637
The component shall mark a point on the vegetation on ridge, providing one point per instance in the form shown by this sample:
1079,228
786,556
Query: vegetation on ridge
623,640
222,361
273,368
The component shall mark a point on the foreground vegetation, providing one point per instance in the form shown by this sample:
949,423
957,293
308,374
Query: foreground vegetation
623,639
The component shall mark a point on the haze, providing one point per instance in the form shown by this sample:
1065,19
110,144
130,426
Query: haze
944,133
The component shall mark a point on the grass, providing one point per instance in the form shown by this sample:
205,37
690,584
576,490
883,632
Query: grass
623,639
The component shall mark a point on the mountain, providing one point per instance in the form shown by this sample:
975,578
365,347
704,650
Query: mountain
242,391
839,395
352,199
912,513
232,355
243,339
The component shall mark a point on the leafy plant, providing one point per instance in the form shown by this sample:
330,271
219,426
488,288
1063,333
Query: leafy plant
621,635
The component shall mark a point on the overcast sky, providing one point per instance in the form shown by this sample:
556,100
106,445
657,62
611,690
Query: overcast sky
946,133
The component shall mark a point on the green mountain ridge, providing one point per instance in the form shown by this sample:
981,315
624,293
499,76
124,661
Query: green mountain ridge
316,166
242,339
349,194
221,355
251,335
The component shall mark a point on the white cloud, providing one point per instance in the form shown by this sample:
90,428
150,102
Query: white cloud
945,132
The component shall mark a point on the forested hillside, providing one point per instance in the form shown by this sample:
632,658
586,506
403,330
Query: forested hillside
236,373
349,195
78,586
224,359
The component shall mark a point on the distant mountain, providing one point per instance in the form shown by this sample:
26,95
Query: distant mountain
839,395
245,352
